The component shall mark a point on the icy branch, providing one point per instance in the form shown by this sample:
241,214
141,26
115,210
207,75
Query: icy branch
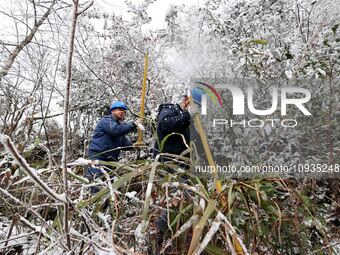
9,62
10,148
37,229
29,208
87,5
81,162
213,229
231,231
184,227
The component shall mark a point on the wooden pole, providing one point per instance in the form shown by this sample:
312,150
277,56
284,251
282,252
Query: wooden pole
141,113
218,184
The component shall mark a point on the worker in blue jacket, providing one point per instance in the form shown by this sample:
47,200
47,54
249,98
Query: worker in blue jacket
109,137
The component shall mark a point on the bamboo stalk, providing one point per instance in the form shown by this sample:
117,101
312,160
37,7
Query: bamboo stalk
218,184
197,233
207,151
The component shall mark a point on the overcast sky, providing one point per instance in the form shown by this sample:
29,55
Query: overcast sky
156,10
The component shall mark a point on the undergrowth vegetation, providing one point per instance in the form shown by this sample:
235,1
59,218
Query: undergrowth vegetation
261,216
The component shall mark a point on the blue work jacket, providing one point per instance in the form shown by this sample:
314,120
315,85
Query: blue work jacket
107,137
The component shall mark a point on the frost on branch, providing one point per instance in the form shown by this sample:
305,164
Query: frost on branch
10,148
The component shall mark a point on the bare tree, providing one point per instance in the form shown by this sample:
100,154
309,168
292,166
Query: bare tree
37,23
75,14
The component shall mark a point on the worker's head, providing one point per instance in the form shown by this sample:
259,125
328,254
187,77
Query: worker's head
118,110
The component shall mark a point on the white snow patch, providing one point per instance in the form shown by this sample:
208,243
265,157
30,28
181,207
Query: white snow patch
289,74
139,231
131,194
80,162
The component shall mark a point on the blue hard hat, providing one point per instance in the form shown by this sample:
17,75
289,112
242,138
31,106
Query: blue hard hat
118,104
196,94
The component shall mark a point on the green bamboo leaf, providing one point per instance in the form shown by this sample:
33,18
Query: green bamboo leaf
77,177
148,191
202,187
105,192
180,214
214,250
165,139
258,42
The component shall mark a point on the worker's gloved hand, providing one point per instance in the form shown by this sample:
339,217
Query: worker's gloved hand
138,123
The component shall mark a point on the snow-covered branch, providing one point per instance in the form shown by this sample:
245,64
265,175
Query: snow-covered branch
9,62
85,7
10,148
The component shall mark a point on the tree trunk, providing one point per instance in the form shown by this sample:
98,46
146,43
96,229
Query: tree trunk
65,120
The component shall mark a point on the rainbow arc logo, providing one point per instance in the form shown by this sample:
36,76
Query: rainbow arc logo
209,90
